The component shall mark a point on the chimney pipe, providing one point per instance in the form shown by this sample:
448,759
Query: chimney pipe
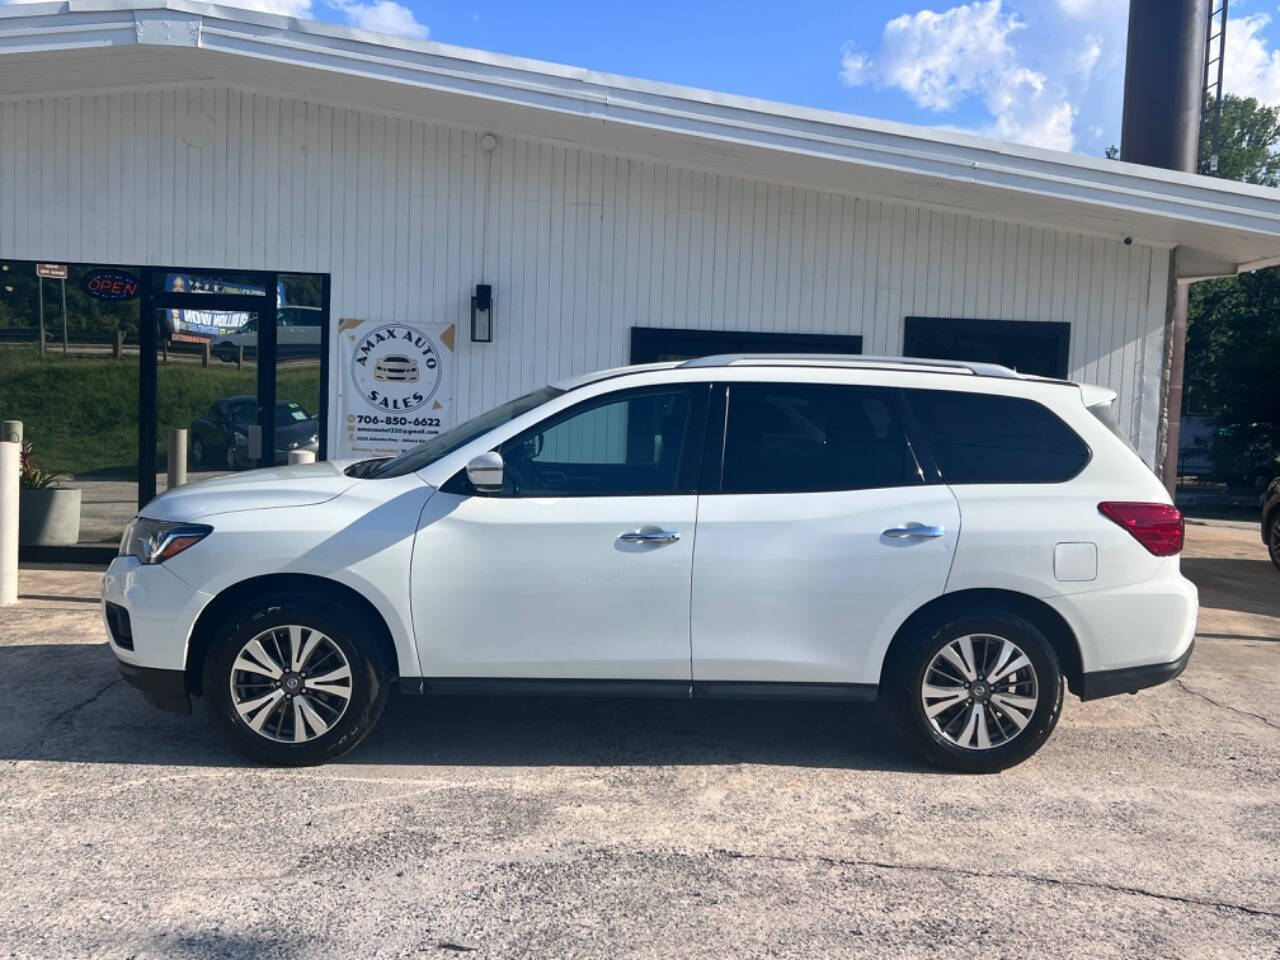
1164,83
1163,97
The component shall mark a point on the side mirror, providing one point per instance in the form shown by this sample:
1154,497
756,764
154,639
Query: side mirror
485,472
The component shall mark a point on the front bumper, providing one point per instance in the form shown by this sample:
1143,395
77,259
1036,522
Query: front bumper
1108,683
150,627
166,689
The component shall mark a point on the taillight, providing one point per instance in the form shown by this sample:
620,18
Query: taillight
1157,526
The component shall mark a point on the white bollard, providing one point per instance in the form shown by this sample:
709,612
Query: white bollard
301,456
177,457
10,458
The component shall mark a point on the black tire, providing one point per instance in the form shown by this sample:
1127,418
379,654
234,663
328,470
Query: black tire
906,677
369,681
197,452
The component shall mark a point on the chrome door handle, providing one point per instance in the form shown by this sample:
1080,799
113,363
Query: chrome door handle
649,536
910,531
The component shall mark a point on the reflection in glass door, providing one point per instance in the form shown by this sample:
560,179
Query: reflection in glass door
238,361
208,352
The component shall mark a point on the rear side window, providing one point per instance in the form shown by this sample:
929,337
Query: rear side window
800,438
980,438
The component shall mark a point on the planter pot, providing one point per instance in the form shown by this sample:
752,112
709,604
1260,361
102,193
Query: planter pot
48,518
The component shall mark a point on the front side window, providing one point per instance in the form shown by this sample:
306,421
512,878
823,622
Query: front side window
428,453
808,437
983,438
628,444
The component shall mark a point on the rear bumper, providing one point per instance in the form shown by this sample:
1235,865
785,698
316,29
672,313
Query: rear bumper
166,689
1108,683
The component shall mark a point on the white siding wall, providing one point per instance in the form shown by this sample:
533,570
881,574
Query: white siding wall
579,246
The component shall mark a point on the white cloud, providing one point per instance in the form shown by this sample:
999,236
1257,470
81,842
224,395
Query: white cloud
940,60
1251,68
382,16
286,8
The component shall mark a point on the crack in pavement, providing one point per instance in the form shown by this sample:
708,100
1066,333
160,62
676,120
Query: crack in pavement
59,718
1226,706
1000,875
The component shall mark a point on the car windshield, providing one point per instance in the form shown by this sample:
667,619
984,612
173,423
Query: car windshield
449,441
287,412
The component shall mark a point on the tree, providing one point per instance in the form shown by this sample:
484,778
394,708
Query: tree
1247,141
1233,323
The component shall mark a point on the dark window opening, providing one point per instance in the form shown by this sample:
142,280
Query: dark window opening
656,344
1035,347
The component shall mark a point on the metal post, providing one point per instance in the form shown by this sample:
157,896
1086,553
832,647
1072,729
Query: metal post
204,354
118,351
63,282
176,459
240,356
9,460
40,284
301,456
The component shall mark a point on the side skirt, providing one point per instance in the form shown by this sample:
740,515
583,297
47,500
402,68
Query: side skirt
657,689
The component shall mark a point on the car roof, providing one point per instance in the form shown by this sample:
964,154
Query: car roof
849,361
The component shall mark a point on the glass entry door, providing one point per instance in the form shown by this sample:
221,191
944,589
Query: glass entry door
207,366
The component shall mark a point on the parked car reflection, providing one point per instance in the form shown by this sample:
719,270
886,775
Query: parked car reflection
220,439
297,336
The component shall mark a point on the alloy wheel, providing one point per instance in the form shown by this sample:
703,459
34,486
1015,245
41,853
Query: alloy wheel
291,684
1273,542
979,691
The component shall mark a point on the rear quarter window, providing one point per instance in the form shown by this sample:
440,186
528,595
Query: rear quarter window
983,438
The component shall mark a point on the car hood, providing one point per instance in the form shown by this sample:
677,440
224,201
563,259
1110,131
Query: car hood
295,486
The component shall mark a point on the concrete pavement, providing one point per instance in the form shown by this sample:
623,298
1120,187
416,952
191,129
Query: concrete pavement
1148,826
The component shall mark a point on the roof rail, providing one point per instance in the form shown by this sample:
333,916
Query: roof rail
855,360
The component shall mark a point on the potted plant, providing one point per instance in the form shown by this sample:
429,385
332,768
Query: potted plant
48,515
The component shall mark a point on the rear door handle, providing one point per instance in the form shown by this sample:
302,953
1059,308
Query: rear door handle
911,531
649,536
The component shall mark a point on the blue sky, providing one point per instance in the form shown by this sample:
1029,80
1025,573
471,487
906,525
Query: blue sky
1044,72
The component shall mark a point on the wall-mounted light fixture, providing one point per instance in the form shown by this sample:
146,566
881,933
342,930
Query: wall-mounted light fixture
482,314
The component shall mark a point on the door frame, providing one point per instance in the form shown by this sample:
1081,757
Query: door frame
265,306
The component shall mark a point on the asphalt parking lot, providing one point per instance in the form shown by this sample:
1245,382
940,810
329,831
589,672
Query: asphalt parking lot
1148,826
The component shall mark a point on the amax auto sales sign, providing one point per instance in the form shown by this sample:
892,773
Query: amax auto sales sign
397,386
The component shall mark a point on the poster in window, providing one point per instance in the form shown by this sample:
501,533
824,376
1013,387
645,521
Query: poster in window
395,390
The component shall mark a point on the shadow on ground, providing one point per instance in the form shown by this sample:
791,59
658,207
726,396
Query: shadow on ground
1235,583
67,703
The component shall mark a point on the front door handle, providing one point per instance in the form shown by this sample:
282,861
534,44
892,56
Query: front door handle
649,536
910,531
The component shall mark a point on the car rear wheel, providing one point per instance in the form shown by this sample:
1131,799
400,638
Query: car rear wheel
978,692
197,452
1273,539
295,681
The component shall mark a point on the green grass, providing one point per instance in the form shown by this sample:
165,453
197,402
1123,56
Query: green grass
81,412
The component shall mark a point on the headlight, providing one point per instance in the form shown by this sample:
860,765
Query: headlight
154,541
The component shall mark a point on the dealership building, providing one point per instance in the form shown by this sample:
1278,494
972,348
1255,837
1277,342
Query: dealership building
393,235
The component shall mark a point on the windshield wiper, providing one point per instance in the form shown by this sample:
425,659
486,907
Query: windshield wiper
364,469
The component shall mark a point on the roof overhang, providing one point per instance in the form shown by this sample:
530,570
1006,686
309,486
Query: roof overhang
82,46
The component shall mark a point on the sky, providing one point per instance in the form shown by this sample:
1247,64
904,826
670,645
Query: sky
1044,72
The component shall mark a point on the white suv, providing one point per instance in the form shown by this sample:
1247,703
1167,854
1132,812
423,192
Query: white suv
957,539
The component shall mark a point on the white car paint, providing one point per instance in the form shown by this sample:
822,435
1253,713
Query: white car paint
763,588
805,587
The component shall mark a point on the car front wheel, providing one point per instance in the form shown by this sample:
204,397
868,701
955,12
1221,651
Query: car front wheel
295,681
978,692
